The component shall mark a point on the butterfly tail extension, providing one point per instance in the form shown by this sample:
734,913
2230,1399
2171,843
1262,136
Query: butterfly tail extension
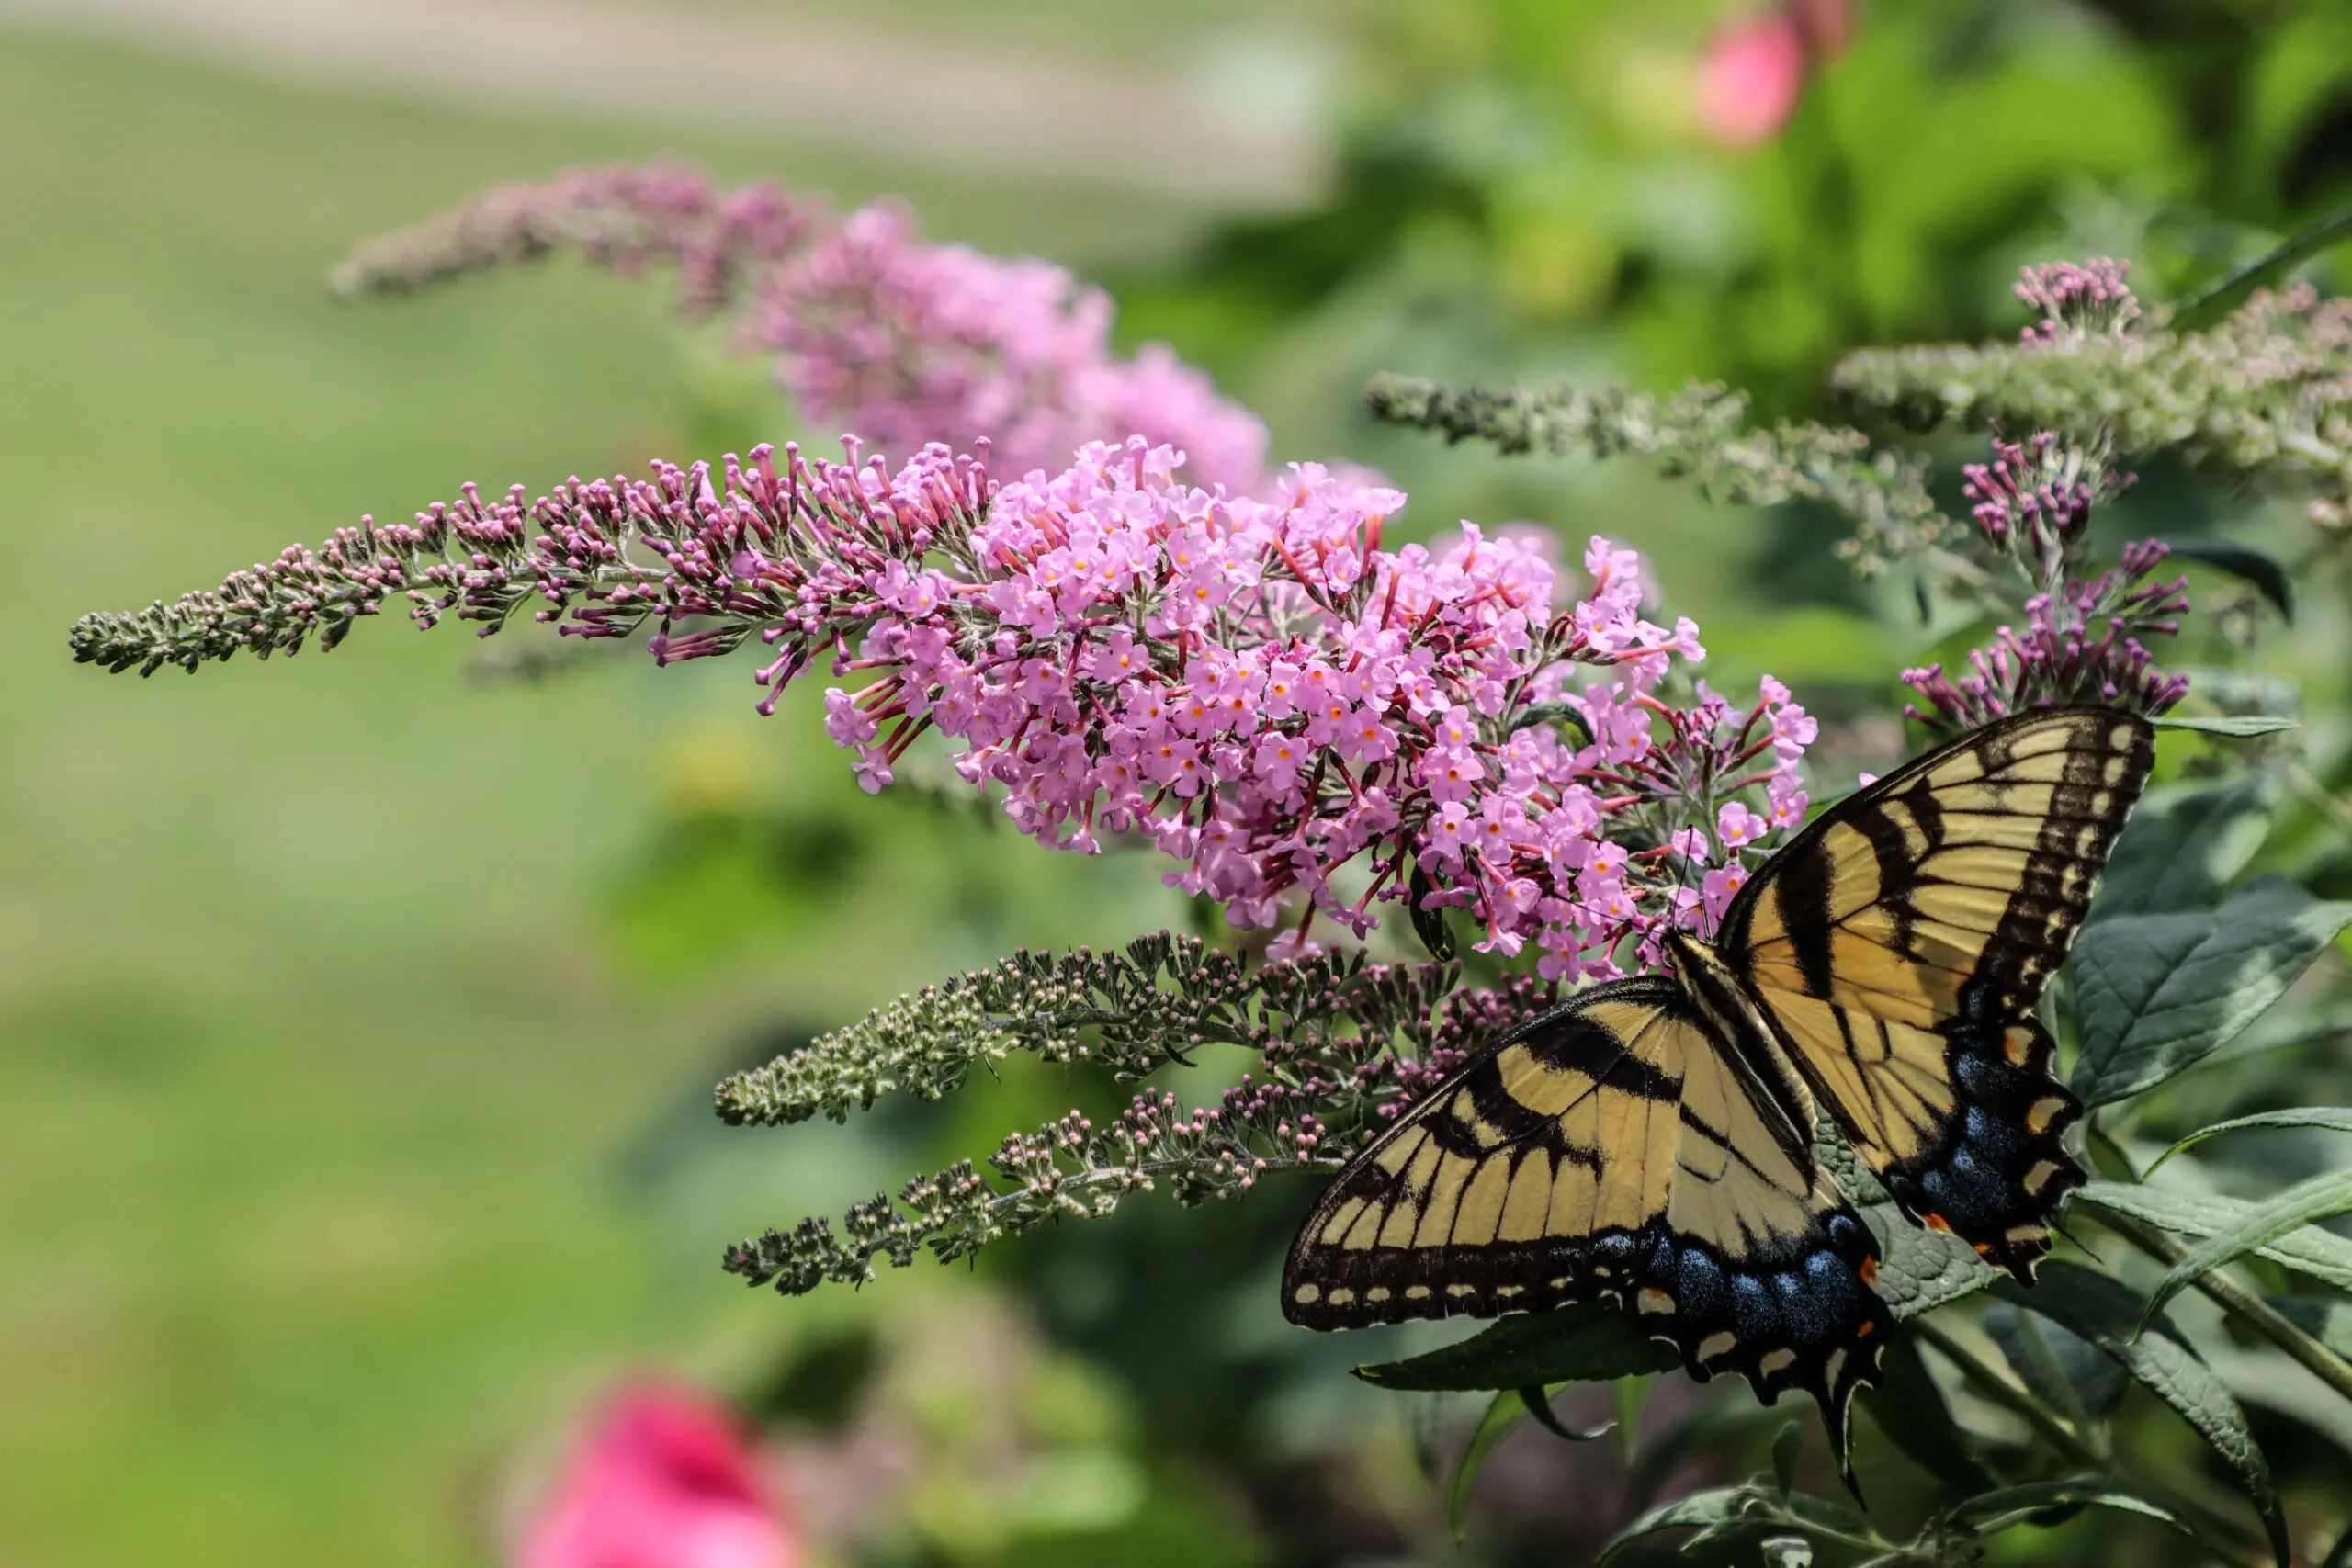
1807,1319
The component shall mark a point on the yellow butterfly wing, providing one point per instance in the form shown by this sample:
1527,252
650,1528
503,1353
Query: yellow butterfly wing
1898,946
1613,1147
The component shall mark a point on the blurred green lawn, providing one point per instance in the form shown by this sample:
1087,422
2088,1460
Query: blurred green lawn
312,1064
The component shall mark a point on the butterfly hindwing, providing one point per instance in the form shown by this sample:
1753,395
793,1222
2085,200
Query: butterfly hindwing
1899,944
1616,1148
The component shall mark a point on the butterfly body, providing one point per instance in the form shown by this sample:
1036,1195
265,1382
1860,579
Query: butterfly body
1651,1141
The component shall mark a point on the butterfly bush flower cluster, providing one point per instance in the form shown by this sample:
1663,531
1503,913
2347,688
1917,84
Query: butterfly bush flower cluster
1305,719
2088,300
2084,637
2266,392
874,329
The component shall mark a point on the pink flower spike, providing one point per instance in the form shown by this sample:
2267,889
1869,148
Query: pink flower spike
663,1481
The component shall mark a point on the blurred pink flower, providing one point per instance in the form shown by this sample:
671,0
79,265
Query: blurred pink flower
663,1481
1756,68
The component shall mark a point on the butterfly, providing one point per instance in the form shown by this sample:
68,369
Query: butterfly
1652,1141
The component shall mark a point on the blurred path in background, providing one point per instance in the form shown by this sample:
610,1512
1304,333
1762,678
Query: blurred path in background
880,86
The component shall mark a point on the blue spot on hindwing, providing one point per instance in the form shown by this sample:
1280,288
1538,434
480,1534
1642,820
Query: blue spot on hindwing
1700,1285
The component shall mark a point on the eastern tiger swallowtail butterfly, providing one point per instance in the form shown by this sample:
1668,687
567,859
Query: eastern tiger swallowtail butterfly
1652,1140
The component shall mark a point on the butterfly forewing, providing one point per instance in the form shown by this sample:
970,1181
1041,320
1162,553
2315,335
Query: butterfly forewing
1898,946
1617,1146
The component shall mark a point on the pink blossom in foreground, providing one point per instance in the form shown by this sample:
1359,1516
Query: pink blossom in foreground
875,330
663,1481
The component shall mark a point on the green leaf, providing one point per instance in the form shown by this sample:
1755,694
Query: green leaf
1993,1512
1591,1342
2336,1118
1921,1269
1829,1147
1909,1409
1555,713
2159,993
1633,1398
1918,1270
2105,1313
2322,1254
2062,1370
2243,561
2307,1202
2237,726
1727,1511
2328,1322
1504,1412
2272,1380
2184,846
1787,1447
2233,288
1538,1400
1428,924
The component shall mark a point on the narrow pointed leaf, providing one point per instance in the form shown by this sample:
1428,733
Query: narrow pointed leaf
2246,562
1592,1342
1729,1509
2233,288
2306,1204
1428,924
2271,1379
2321,1255
2182,847
2062,1370
1993,1512
1910,1410
1633,1398
1787,1447
2105,1313
2328,1322
2236,725
1504,1413
1538,1400
2159,993
2334,1118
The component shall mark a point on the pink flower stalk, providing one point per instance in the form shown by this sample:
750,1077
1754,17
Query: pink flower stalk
628,217
1296,714
874,329
664,1480
2083,638
2088,300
